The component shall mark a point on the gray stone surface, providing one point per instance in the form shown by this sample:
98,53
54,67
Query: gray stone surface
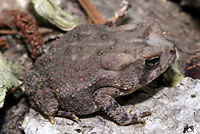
174,111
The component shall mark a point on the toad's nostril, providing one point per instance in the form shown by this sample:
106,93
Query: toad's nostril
172,52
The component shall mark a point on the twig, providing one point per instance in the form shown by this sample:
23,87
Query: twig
8,32
3,44
15,88
119,14
92,12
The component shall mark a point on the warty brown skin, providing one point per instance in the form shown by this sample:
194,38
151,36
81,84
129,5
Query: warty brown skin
85,70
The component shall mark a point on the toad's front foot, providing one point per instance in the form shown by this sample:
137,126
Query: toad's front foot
52,120
69,115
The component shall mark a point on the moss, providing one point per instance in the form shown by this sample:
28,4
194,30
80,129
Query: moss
172,76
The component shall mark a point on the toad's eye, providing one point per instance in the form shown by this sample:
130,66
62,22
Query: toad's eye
152,62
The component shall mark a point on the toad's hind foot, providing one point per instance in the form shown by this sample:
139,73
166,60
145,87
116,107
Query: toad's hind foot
69,115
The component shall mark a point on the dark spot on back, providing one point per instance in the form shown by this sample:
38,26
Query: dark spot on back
104,36
100,52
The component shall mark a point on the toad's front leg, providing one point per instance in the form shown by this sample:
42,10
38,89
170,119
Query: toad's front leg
40,95
104,98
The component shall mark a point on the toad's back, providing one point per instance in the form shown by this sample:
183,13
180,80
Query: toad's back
75,58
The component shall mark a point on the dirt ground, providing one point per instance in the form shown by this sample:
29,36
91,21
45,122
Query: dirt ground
182,24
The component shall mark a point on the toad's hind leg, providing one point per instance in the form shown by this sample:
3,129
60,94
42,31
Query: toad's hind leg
104,99
40,95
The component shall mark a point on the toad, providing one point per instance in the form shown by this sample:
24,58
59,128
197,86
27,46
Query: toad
86,69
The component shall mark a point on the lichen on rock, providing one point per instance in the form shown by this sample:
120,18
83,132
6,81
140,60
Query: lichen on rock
7,78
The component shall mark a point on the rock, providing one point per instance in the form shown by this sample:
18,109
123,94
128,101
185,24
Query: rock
13,116
174,110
